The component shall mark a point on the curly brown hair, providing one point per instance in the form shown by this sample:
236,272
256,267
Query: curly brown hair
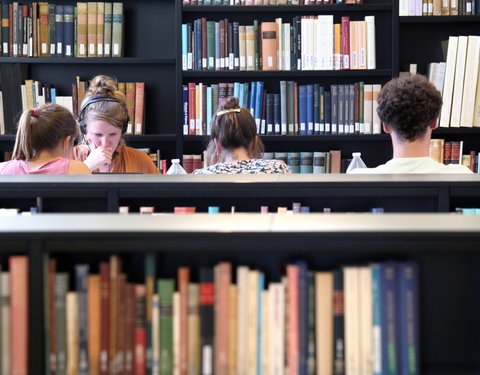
409,105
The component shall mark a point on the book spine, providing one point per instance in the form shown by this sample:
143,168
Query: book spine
140,365
292,320
117,30
165,291
338,324
5,322
150,267
105,317
107,31
51,30
193,329
94,316
222,290
52,266
139,107
207,297
61,289
100,28
81,272
68,30
183,286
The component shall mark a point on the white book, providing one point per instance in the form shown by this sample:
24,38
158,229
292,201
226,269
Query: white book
440,77
314,42
432,69
352,326
448,82
2,116
242,319
366,320
324,322
24,97
476,110
72,332
403,8
265,364
277,329
459,80
175,332
376,123
280,43
471,77
367,109
371,45
5,324
156,334
286,50
325,47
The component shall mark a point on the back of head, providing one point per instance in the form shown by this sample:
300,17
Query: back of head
234,127
43,128
112,112
409,105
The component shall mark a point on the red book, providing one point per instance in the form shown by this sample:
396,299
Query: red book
183,281
52,267
105,316
140,331
19,314
184,210
223,276
191,108
447,153
292,320
139,107
345,42
129,328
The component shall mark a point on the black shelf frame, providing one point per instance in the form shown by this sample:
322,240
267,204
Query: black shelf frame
285,74
439,19
85,60
288,8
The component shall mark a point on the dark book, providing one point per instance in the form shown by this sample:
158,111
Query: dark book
185,109
52,268
207,299
11,80
230,46
316,109
236,47
81,275
299,42
68,30
340,108
310,109
357,104
270,114
276,114
61,289
351,109
211,45
5,31
204,44
338,324
302,110
328,112
59,29
150,267
291,108
334,109
52,33
311,370
25,27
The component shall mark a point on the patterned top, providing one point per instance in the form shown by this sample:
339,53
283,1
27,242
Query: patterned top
252,166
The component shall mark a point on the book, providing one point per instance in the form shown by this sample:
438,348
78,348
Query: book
450,69
61,289
72,333
139,107
459,81
269,45
324,311
92,29
165,289
117,30
107,30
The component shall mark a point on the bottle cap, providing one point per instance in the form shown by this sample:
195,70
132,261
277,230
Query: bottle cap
175,160
356,154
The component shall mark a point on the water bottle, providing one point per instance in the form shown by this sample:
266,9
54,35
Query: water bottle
356,162
176,168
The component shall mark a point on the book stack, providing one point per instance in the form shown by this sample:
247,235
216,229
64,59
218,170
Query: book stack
276,45
451,152
317,162
310,109
461,88
89,29
438,8
192,162
354,319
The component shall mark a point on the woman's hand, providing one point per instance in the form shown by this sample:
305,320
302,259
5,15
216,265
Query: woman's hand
99,158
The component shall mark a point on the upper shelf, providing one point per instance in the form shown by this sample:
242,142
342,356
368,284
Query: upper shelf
85,60
287,8
287,73
439,19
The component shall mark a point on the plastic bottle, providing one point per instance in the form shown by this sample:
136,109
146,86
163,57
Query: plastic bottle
176,168
356,162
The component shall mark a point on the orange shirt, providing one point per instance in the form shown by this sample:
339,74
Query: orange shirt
125,160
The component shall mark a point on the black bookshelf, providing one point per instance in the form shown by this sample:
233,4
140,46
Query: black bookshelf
385,7
439,19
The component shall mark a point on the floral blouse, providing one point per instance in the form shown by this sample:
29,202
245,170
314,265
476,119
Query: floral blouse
252,166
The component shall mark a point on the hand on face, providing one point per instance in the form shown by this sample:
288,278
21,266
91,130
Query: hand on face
99,158
103,139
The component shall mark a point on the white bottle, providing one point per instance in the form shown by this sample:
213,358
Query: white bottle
356,162
176,168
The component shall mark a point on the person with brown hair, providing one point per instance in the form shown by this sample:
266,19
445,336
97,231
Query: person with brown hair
103,120
44,141
409,108
234,147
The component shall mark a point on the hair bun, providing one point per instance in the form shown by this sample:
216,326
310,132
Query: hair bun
230,103
102,85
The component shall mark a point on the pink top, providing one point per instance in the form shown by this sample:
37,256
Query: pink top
55,166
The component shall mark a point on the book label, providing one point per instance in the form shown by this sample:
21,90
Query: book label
5,46
59,48
91,49
277,128
100,49
15,53
316,127
250,61
184,62
230,61
189,61
327,127
44,48
116,49
242,61
185,129
322,128
211,62
107,48
68,50
270,61
52,49
204,62
207,355
82,49
236,62
357,127
138,128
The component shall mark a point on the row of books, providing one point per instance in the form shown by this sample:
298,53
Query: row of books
438,8
452,153
268,2
355,319
317,162
42,29
307,43
461,88
468,211
297,110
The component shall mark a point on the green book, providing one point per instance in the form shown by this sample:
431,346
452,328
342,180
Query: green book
107,31
165,293
117,30
291,107
150,286
211,45
5,31
256,45
61,289
52,35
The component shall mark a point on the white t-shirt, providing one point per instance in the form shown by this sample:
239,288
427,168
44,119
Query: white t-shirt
413,165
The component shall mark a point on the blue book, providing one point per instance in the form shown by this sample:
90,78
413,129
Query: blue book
241,96
59,29
236,89
270,114
259,105
302,316
185,109
276,114
68,31
388,300
81,276
209,110
328,113
253,98
302,108
376,319
184,46
53,94
261,282
408,319
316,109
310,109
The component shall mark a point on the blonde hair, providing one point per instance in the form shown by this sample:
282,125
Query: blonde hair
233,127
114,113
43,128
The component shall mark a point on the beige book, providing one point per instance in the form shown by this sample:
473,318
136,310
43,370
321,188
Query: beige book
276,329
265,332
459,80
280,43
476,110
354,45
325,43
242,47
371,44
252,325
94,316
453,7
29,93
436,150
175,334
362,44
437,7
471,77
193,329
92,29
287,64
367,108
72,333
365,320
445,11
250,47
100,28
376,123
445,113
466,160
82,29
24,97
242,319
324,322
232,327
282,2
352,313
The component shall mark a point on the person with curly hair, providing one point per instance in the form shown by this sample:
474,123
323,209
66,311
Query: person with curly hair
409,108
